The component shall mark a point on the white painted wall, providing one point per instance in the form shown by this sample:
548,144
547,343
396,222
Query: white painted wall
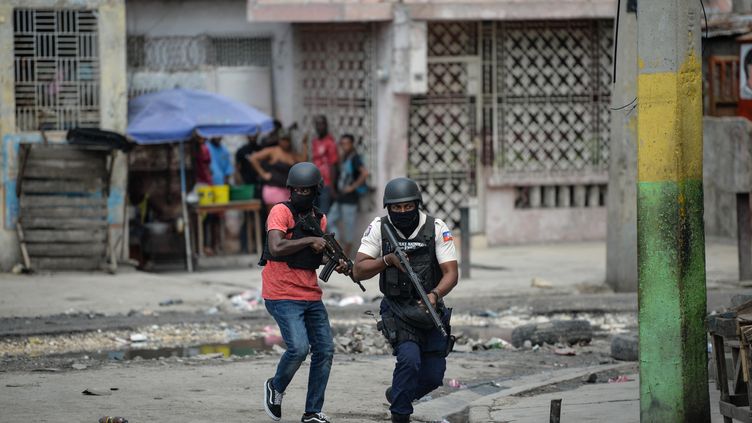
219,17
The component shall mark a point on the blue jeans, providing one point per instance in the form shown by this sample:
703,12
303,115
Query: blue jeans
304,325
348,214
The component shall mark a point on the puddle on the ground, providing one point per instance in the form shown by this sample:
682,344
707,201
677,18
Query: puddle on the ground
238,348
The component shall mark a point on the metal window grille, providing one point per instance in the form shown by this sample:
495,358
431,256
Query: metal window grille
336,80
178,53
553,92
56,68
443,122
241,51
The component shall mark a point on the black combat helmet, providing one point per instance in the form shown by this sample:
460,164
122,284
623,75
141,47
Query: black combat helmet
401,190
304,174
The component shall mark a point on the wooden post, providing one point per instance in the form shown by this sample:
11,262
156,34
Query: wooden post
555,415
744,236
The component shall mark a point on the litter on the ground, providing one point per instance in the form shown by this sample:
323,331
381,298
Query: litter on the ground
138,337
620,379
565,351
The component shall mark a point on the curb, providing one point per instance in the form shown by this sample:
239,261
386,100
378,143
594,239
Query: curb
479,406
480,410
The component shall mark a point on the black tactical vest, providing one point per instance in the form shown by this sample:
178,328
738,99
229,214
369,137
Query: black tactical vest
421,251
305,258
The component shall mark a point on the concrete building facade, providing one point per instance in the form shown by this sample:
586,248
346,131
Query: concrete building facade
62,64
499,106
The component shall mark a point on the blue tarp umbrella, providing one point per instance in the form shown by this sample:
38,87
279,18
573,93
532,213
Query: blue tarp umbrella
174,115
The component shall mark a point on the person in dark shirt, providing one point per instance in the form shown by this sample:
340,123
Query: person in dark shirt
351,185
248,176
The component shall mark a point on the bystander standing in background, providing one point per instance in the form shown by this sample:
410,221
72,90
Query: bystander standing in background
325,158
351,185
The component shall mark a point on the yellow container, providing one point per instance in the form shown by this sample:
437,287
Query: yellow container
205,195
221,194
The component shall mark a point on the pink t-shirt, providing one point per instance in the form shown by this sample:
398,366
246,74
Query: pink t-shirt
325,156
278,280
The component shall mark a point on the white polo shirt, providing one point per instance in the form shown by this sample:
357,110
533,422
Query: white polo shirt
370,244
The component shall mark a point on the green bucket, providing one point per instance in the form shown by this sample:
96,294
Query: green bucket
242,192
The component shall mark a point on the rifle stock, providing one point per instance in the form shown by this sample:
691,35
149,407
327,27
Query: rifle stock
414,279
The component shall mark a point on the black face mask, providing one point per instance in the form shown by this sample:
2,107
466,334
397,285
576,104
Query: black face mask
406,222
302,203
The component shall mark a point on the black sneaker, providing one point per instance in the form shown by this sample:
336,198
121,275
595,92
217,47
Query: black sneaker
272,401
388,395
315,418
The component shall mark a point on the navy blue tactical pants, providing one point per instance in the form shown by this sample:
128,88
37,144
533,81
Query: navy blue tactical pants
415,375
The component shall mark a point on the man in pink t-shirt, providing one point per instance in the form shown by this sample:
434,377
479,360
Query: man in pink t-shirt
325,158
292,294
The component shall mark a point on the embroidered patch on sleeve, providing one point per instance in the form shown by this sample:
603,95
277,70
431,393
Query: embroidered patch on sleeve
368,231
447,236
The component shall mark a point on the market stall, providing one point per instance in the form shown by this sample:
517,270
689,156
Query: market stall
177,116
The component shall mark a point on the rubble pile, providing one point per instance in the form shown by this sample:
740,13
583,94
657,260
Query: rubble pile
361,339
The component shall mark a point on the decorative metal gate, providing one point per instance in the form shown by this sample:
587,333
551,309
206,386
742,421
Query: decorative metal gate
443,122
553,91
336,77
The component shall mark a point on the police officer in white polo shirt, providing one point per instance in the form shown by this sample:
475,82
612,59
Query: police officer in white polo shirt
420,348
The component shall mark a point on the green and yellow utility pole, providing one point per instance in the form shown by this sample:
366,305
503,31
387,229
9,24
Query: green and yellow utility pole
670,238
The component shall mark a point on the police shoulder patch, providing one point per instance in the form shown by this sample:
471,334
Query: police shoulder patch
447,235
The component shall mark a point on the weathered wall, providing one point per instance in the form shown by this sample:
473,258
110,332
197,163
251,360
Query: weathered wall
370,10
621,245
226,18
113,99
727,169
506,224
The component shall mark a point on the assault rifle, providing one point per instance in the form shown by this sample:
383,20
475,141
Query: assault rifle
333,251
400,253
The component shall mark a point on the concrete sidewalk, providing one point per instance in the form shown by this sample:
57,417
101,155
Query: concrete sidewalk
599,402
500,271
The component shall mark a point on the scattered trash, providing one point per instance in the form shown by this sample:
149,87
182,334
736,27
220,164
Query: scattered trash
462,348
97,392
536,347
138,337
620,379
351,300
108,419
19,269
487,313
47,369
592,378
170,302
247,300
213,310
425,398
277,349
272,336
454,383
496,343
78,366
541,283
527,344
565,351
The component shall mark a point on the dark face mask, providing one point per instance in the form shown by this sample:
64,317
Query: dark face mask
302,203
406,222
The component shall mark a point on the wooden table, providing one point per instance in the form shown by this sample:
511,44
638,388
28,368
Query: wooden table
724,330
248,207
